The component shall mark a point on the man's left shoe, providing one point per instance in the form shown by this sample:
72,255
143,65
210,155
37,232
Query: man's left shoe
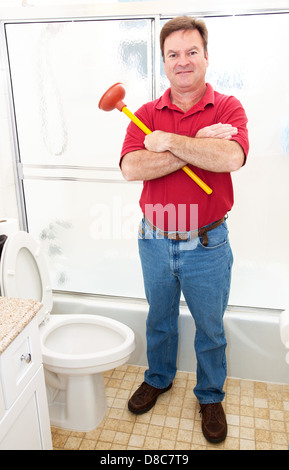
214,424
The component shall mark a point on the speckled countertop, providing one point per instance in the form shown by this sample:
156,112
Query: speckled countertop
15,314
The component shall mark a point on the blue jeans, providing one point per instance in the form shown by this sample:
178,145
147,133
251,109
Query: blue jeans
203,274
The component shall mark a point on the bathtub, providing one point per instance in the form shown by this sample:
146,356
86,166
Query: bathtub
254,350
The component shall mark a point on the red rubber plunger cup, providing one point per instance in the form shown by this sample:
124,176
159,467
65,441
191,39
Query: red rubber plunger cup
112,98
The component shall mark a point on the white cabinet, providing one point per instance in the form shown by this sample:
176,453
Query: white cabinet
25,424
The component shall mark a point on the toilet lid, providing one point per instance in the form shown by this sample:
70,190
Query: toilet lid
24,273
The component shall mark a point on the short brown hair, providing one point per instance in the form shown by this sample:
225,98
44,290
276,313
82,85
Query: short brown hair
184,23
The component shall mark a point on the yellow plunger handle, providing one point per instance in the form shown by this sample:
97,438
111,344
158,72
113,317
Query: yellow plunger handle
197,180
186,169
136,120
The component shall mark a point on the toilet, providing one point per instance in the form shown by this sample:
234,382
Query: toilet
76,349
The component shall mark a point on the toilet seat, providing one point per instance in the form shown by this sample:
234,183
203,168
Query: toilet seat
85,343
24,273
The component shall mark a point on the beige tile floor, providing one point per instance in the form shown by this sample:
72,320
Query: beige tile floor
257,415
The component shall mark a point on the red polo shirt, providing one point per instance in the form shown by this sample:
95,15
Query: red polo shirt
175,202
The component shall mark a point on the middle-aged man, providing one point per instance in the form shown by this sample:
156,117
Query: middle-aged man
183,237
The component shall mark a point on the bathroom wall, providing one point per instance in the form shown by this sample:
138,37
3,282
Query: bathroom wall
261,271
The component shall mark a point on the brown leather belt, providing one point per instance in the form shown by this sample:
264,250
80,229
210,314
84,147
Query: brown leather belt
185,236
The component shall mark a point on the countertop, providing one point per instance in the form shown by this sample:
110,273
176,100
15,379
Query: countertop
15,314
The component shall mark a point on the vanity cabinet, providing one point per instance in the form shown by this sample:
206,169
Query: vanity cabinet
24,417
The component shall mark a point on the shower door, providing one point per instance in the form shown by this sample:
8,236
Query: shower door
77,203
74,197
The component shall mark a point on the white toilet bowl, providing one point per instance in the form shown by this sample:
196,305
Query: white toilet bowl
76,349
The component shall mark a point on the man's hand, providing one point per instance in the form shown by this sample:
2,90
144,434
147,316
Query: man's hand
217,131
157,141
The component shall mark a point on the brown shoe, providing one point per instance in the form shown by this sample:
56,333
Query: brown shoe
214,424
145,397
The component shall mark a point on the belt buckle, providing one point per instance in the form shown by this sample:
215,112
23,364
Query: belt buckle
183,237
179,236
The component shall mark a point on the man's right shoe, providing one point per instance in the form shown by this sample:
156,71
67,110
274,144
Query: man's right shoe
214,423
145,398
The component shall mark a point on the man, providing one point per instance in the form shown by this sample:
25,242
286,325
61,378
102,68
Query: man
183,238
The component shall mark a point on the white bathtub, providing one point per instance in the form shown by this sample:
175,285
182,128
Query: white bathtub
254,351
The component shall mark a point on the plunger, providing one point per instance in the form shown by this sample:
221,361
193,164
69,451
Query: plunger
112,99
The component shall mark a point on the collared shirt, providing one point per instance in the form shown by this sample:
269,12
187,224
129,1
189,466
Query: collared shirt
175,202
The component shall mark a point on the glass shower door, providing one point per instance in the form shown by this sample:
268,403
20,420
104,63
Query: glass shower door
77,204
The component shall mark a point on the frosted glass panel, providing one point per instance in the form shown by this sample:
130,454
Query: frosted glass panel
60,71
248,58
88,232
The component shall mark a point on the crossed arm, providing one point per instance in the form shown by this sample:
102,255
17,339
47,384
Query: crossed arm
211,149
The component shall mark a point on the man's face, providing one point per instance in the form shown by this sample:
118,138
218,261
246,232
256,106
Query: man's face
185,62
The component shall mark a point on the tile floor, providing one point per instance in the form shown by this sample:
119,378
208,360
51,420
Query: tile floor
257,415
